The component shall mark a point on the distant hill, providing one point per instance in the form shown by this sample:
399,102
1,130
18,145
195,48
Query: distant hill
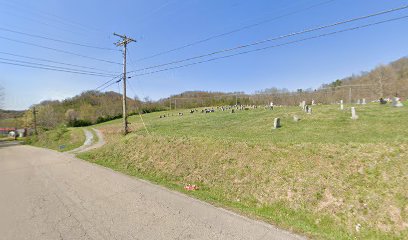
10,114
383,81
84,109
89,107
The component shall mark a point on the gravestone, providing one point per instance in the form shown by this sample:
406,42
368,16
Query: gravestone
313,102
358,102
341,105
309,110
296,118
232,111
364,101
396,102
276,123
353,113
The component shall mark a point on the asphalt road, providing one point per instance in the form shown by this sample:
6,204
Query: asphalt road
49,195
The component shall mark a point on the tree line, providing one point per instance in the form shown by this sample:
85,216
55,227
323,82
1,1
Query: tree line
90,107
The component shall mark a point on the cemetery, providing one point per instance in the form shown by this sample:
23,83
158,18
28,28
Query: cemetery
341,164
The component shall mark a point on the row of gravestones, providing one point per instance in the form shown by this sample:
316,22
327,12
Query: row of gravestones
396,102
306,108
277,121
362,101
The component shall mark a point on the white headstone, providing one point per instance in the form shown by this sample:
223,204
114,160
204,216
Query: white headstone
364,101
396,102
313,102
353,113
358,101
309,110
341,105
276,123
271,104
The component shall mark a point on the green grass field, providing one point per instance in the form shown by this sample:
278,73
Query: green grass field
61,139
321,177
8,123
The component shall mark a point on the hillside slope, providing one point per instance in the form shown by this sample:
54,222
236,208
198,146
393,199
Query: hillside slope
327,176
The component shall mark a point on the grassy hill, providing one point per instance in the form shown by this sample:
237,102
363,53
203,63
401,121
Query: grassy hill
327,176
61,139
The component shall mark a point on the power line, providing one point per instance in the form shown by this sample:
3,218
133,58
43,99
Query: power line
131,88
57,40
114,78
278,38
53,66
50,16
118,81
278,45
235,30
51,61
52,69
59,50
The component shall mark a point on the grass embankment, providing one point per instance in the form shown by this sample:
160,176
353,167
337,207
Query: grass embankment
327,176
61,139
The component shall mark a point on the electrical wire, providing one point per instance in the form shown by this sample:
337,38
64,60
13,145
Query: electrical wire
59,50
235,30
57,40
277,38
51,61
51,69
53,66
114,78
110,85
53,17
278,45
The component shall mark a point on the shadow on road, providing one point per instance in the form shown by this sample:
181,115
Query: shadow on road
9,143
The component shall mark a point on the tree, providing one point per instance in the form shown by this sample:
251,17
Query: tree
47,117
71,116
27,119
87,112
386,79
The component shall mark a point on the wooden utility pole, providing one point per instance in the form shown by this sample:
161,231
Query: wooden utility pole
124,42
35,120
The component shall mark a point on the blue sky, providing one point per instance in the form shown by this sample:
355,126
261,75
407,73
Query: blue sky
160,25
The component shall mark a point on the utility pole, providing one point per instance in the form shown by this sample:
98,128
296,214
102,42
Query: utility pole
124,42
35,120
350,95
